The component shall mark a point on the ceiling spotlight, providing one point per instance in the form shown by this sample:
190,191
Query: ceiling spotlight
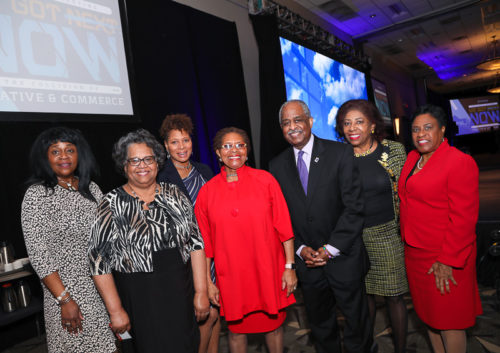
492,63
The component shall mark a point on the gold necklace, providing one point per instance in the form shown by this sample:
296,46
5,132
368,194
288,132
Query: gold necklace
366,153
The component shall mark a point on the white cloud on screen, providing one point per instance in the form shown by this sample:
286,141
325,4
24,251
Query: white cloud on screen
286,46
293,90
331,115
301,50
322,65
297,93
350,86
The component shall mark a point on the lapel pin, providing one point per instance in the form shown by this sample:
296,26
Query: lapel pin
316,160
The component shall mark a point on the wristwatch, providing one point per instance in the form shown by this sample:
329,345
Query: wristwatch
290,266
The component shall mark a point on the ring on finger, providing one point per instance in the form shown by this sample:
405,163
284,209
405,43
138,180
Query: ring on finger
67,324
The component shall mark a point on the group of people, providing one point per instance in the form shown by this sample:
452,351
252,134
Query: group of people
163,256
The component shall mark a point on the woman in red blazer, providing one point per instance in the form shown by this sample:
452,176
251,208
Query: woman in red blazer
439,207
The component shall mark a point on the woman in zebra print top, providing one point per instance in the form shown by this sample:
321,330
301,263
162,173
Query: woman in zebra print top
142,242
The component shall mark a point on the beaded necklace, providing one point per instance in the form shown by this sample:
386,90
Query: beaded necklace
157,191
365,153
178,165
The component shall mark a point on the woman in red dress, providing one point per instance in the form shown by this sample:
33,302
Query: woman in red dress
245,224
439,207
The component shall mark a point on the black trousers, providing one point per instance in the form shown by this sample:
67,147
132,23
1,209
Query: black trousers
321,301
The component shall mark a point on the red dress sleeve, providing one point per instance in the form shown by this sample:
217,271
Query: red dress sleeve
463,203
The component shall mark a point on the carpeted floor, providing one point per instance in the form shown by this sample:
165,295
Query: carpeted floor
482,338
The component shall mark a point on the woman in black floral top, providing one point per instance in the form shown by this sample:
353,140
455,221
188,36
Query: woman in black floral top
145,251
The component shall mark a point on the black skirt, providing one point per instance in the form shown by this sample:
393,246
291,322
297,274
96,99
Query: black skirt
160,305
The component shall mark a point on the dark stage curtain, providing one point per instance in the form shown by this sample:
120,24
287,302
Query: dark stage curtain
272,86
185,61
188,62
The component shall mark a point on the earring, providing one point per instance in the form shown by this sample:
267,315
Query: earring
220,159
373,131
442,139
168,155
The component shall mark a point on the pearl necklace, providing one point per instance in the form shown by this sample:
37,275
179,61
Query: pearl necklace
365,153
178,165
418,163
232,174
69,185
157,191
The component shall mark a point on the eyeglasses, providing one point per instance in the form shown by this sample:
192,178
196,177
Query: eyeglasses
297,120
417,129
239,146
136,161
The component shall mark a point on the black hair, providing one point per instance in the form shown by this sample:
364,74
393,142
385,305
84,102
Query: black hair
436,112
181,122
42,173
120,149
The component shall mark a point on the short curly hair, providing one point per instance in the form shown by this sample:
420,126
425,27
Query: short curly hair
180,122
368,109
219,136
120,149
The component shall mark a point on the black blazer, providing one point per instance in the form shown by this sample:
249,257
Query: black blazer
170,174
332,211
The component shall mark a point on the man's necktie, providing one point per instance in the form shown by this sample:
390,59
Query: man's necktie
302,169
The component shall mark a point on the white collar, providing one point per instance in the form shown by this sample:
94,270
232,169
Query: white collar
307,148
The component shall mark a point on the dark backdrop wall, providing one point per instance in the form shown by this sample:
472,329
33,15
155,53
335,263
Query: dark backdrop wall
185,61
272,86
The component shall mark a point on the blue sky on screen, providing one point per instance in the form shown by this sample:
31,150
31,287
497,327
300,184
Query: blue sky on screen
323,83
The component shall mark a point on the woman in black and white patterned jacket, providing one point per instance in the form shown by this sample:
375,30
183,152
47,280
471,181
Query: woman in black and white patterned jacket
146,252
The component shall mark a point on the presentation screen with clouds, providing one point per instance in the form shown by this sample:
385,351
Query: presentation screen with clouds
323,83
63,56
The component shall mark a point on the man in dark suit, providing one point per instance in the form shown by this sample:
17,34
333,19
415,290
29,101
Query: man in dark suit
322,188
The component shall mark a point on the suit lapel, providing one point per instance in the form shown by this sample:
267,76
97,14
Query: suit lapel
315,168
292,171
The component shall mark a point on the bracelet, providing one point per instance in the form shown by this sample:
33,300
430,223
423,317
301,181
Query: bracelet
327,252
64,301
64,292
